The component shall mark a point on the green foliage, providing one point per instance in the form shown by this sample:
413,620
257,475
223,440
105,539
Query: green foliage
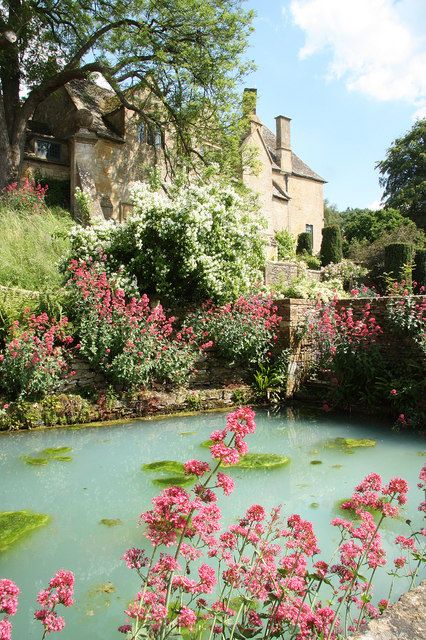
305,287
372,256
83,206
419,272
304,243
286,245
332,215
32,246
17,524
312,262
366,224
331,245
270,379
349,273
200,241
397,256
403,174
58,192
187,53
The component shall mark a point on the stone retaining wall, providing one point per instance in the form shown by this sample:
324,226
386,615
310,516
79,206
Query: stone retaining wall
282,273
294,313
405,620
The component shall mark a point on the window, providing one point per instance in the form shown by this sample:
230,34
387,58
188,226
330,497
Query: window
48,150
150,134
310,229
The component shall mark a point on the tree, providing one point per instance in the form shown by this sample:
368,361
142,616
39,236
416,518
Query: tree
403,174
186,54
366,224
332,215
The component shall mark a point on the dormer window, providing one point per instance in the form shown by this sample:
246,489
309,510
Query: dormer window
47,150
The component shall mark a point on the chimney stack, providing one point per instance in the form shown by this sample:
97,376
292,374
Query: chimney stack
284,143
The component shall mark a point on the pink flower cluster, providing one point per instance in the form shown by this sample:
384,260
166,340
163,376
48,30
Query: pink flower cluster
60,591
130,341
9,593
35,355
258,557
28,195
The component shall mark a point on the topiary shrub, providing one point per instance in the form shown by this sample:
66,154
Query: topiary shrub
304,243
397,256
331,245
419,271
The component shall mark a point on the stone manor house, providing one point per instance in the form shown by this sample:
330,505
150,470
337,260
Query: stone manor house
80,136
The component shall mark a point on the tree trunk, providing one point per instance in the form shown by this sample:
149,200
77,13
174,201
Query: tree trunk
11,149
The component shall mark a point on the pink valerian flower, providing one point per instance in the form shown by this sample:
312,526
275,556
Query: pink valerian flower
400,562
196,467
225,454
50,620
135,558
5,629
169,516
9,593
255,513
225,482
406,543
187,618
124,628
60,591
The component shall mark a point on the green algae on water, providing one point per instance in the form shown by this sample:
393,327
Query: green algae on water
207,444
99,597
314,505
110,522
17,524
260,461
179,481
349,444
336,466
316,462
41,458
351,513
164,466
187,433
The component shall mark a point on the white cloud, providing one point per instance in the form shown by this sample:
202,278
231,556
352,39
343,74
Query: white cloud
377,47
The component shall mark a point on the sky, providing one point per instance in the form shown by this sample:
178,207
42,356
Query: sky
351,74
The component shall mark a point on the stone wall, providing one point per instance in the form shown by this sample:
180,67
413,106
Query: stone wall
278,273
294,313
405,620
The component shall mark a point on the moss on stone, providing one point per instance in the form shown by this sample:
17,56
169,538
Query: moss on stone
349,444
260,461
16,524
110,522
164,466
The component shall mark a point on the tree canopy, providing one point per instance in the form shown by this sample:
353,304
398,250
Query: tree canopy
403,174
369,225
187,54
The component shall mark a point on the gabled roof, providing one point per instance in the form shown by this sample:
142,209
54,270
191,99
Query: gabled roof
299,167
86,94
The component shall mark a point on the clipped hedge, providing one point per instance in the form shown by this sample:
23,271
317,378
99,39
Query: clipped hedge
397,256
304,243
419,271
331,245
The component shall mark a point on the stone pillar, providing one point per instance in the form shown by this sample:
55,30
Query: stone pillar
284,143
83,160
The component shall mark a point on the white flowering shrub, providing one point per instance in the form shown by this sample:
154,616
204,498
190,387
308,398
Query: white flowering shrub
198,241
346,270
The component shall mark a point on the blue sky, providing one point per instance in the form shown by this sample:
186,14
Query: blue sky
352,76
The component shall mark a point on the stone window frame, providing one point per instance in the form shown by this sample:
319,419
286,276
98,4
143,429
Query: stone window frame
49,145
150,134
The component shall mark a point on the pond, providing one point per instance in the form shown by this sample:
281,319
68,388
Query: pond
99,478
